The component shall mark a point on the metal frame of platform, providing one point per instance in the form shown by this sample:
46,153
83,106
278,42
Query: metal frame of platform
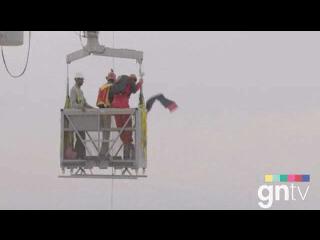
76,121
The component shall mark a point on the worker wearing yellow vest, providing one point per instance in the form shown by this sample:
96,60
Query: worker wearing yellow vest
104,100
78,101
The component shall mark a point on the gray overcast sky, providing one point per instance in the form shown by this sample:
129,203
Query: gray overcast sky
249,105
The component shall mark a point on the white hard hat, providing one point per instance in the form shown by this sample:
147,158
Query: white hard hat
79,75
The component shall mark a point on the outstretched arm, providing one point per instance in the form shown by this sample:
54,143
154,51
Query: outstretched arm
136,87
86,105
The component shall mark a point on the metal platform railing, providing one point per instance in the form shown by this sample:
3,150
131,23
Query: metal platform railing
90,128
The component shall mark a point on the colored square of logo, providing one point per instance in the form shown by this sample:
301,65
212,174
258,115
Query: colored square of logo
276,178
291,178
283,178
305,178
298,178
268,178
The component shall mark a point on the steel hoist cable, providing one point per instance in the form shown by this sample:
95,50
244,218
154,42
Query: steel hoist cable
112,180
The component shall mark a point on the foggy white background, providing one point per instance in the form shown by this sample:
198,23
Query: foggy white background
249,105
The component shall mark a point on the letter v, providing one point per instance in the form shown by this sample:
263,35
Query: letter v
303,197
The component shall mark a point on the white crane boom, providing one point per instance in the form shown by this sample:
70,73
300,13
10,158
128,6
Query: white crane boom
93,47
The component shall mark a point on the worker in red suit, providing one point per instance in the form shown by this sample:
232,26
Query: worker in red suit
120,93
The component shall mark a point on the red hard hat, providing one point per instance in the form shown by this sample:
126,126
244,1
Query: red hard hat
112,76
133,77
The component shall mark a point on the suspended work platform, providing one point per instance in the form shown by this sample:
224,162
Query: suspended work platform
102,144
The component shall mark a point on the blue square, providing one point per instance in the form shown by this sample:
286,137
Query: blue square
305,178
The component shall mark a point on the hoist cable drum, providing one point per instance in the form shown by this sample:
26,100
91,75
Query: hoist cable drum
26,64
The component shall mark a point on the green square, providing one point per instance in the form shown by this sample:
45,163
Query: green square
283,178
276,178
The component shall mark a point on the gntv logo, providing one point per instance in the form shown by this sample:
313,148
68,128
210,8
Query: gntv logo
283,187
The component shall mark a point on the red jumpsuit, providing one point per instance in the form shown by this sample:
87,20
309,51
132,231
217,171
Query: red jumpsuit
121,100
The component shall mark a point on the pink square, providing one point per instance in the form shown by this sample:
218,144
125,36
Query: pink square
291,178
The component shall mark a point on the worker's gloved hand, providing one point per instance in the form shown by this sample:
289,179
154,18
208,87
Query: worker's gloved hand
141,81
141,99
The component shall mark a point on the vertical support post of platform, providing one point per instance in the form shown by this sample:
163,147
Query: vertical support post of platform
138,142
99,132
142,157
62,138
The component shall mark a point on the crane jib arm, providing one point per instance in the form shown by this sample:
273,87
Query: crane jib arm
107,52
